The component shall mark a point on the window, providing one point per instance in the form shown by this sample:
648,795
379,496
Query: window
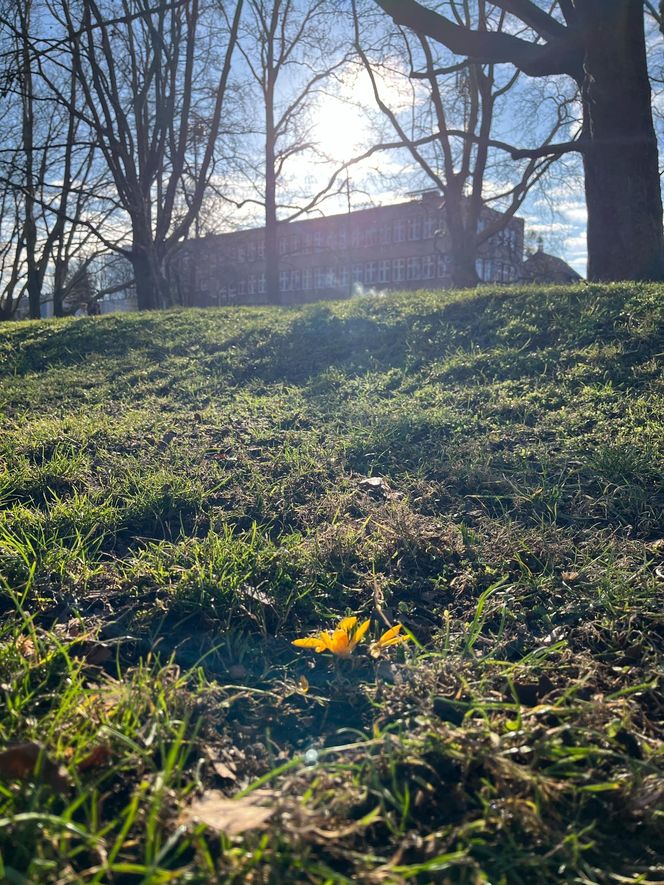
341,238
398,270
306,279
251,251
485,269
343,275
384,271
283,245
261,284
371,236
358,273
251,285
319,278
429,227
384,232
399,231
284,281
414,268
371,272
429,267
415,228
443,266
260,248
318,239
241,251
306,242
232,291
242,287
296,280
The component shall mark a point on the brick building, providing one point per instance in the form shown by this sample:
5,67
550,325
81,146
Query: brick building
401,246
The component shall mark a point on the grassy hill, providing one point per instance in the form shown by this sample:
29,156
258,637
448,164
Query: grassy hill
183,494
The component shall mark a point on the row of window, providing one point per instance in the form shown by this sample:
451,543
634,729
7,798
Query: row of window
401,230
491,270
397,270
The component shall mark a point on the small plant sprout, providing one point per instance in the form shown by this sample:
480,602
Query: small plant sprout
342,642
393,636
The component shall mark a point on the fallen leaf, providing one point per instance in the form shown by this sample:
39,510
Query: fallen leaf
26,647
98,757
25,762
225,772
230,816
303,684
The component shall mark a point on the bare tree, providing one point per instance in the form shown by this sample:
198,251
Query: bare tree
292,55
46,165
600,45
447,129
139,74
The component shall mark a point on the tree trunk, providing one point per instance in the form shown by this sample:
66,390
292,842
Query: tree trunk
145,279
462,243
625,239
59,290
271,224
34,293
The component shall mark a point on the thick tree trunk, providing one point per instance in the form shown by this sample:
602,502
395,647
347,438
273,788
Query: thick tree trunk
59,278
625,239
462,243
34,288
145,279
464,272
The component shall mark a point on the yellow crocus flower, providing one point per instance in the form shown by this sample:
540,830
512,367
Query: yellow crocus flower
342,641
393,636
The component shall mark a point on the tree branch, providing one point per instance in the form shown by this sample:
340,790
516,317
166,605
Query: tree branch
559,56
545,25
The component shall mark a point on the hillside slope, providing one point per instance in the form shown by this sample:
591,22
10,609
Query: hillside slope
183,494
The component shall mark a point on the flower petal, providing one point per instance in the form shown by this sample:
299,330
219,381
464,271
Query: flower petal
347,624
308,642
341,644
361,630
326,641
391,635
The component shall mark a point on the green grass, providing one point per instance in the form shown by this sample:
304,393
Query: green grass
181,495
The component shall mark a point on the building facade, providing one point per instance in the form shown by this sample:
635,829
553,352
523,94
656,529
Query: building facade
396,247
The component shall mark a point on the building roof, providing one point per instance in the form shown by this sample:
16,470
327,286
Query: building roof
540,267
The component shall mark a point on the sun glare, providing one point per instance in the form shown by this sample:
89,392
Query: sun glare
340,129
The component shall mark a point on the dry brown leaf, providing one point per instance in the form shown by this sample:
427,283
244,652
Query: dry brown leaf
21,761
303,684
26,647
225,772
230,816
96,758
